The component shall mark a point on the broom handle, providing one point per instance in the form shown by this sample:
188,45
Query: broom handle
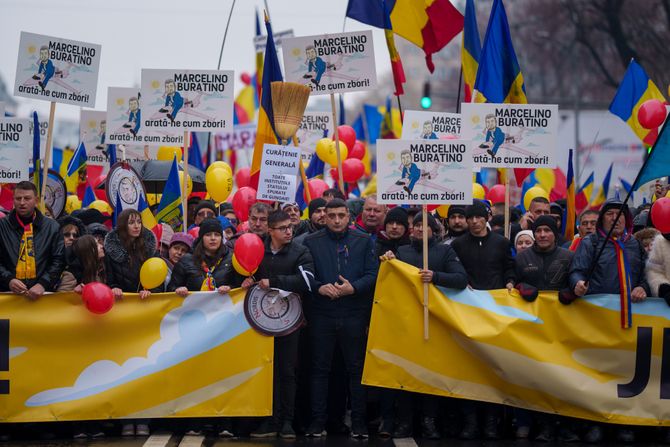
303,175
340,175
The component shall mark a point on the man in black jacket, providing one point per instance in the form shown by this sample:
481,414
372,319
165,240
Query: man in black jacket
31,246
395,233
316,213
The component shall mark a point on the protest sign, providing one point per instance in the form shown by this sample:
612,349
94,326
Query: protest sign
279,167
331,63
124,115
422,125
92,129
511,135
424,172
58,70
241,140
187,99
262,40
15,147
314,126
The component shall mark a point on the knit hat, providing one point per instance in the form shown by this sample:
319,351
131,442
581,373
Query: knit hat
528,292
285,205
546,220
523,233
398,215
315,204
456,209
210,225
477,209
226,223
183,238
205,204
432,223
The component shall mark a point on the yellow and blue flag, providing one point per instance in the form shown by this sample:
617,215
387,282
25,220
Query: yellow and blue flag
78,160
603,192
170,208
584,194
89,196
148,218
471,49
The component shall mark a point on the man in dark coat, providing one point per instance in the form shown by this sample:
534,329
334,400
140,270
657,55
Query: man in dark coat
395,233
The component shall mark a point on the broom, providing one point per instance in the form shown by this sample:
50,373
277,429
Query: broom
289,100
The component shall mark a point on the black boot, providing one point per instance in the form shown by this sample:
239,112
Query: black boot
491,430
429,428
470,428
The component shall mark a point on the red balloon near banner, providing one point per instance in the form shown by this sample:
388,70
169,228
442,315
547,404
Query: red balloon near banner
651,114
352,169
357,150
194,232
242,201
496,194
245,78
249,251
316,188
347,135
660,215
242,177
98,298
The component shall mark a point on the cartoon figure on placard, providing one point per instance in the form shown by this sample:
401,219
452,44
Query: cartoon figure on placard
494,136
428,133
45,68
316,66
410,173
173,100
101,133
134,115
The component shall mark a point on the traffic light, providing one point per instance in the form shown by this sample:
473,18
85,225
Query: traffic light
426,100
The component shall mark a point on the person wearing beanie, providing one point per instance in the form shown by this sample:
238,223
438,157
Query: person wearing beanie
317,220
456,223
444,269
524,239
229,230
98,231
205,210
395,232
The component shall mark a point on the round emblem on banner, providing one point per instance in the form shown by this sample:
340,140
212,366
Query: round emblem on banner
123,180
272,311
55,193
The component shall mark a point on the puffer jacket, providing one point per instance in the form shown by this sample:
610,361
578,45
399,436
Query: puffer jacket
121,273
186,274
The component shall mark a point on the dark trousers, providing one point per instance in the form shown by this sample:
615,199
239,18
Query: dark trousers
284,377
407,402
350,333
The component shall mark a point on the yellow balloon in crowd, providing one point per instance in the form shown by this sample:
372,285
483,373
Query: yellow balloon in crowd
72,203
478,191
219,183
101,206
189,183
153,273
327,152
535,191
167,153
239,269
220,165
442,210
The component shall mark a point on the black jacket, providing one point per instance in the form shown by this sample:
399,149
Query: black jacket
487,260
120,272
442,260
48,246
186,274
384,244
544,270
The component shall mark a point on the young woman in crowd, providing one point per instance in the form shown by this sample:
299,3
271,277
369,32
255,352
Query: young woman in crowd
85,263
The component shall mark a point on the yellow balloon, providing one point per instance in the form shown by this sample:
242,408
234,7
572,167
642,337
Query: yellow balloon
219,183
442,210
239,269
167,153
478,191
327,152
189,183
153,273
535,191
72,203
221,165
101,206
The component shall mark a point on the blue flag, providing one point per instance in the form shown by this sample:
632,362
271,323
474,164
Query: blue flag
89,196
359,128
118,208
111,149
170,209
657,164
373,119
194,155
78,160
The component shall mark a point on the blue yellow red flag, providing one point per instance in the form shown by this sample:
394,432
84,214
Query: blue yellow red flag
570,209
78,160
603,192
470,49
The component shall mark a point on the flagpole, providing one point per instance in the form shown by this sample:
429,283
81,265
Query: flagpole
402,120
184,182
424,220
340,174
47,154
507,202
460,85
303,174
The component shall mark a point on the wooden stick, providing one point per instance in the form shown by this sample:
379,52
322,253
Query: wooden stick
303,175
184,183
340,175
424,220
507,188
47,155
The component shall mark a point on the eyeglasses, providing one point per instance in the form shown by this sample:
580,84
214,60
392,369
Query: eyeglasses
283,228
233,221
75,235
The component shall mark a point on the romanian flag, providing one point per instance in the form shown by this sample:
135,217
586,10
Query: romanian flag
428,24
499,78
148,218
634,90
387,131
265,130
170,208
470,49
78,160
603,191
570,210
584,194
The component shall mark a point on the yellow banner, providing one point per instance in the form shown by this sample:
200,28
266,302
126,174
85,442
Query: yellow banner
160,357
493,346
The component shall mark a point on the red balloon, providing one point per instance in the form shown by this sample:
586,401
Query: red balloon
352,169
245,78
242,177
249,251
496,194
97,297
316,188
334,174
357,150
347,135
660,215
194,232
651,114
242,201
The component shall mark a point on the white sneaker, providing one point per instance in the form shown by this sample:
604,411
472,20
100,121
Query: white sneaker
193,432
81,435
142,430
128,430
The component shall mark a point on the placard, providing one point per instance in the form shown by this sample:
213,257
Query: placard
313,127
124,115
424,125
15,146
279,168
424,172
187,99
331,63
55,69
92,130
512,135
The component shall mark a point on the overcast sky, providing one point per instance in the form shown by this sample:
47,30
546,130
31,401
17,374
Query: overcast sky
137,34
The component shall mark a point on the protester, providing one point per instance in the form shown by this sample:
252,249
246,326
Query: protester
658,267
85,263
71,228
229,230
395,233
524,239
179,245
293,210
32,247
258,219
166,236
345,275
456,223
231,216
333,193
98,231
372,217
539,206
646,237
204,210
316,219
586,226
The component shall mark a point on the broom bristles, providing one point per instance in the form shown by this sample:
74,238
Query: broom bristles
289,100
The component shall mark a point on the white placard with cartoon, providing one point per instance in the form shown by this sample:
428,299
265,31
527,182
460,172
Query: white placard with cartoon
313,127
511,135
187,100
15,148
331,63
124,115
277,180
423,125
92,129
423,172
55,69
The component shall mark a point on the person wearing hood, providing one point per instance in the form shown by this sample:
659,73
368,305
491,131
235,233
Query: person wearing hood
316,212
395,233
71,228
444,269
457,225
605,277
